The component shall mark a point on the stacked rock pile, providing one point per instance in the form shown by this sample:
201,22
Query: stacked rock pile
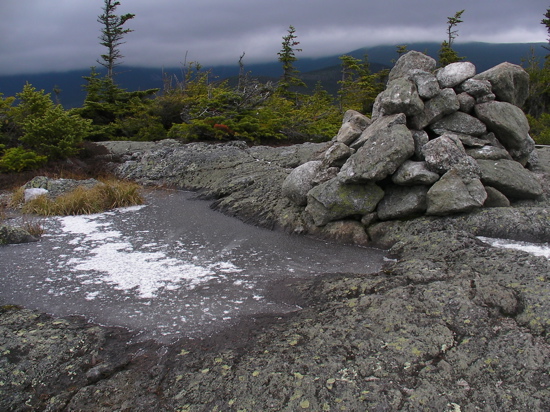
439,142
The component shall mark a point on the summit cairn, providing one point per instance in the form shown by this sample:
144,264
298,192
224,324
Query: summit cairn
439,142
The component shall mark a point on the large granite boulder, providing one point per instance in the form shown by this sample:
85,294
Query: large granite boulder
510,125
353,125
381,154
300,181
402,202
426,84
459,122
333,200
400,96
454,194
447,152
455,73
510,178
414,173
510,82
444,103
409,62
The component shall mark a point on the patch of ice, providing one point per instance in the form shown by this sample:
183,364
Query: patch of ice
537,249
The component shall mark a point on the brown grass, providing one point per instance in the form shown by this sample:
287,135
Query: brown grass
109,195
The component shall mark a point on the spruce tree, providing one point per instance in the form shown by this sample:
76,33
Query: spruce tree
287,56
447,54
112,34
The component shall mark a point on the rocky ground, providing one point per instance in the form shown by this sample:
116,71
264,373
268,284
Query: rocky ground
449,324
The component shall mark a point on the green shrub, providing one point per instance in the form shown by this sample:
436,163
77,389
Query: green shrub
18,159
56,134
540,128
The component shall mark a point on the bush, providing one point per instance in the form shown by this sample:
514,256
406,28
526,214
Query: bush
56,134
18,159
540,128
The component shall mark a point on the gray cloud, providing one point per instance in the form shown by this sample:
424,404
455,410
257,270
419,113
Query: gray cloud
55,35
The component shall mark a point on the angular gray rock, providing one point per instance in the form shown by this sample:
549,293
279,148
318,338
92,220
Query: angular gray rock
510,82
510,178
489,153
495,198
510,125
475,87
379,124
414,173
453,194
400,202
455,73
400,96
335,200
459,122
410,61
300,181
420,138
357,119
382,153
336,155
466,102
353,125
447,152
348,133
445,103
426,84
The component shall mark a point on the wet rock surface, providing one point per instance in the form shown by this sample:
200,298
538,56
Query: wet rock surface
449,323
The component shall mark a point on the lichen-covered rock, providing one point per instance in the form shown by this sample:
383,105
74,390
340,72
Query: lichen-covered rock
510,178
15,235
466,102
409,62
445,103
300,181
353,125
336,155
475,87
455,73
379,125
495,198
402,201
400,96
382,153
447,152
510,82
459,122
510,126
426,84
420,138
488,153
453,194
414,173
334,200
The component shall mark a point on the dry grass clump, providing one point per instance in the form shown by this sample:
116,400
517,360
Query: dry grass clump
109,195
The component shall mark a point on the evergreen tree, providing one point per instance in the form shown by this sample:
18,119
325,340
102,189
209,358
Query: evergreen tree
447,54
287,56
358,86
112,34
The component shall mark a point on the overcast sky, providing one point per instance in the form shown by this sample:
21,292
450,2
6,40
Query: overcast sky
57,35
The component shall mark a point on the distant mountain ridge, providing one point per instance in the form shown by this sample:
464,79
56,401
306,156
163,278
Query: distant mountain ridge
323,69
